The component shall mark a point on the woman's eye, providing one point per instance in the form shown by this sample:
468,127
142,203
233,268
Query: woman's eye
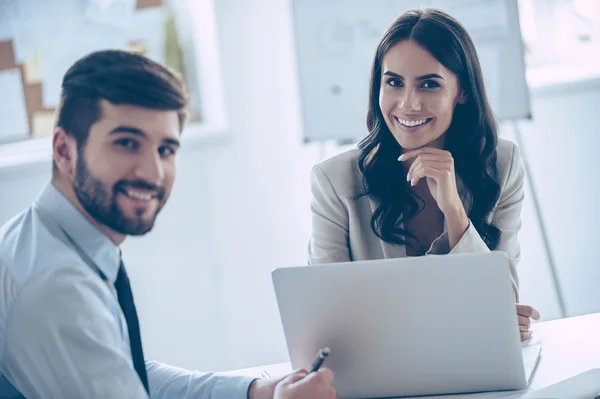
430,84
393,82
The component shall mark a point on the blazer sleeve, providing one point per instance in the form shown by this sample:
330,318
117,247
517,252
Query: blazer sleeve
507,218
329,237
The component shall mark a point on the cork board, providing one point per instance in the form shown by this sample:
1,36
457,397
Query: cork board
41,118
31,91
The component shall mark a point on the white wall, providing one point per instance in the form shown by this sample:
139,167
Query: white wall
257,193
241,207
562,146
536,286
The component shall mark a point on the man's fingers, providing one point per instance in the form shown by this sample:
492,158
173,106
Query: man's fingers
295,376
323,376
326,374
292,378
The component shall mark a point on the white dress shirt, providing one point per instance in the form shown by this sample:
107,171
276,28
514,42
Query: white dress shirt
62,332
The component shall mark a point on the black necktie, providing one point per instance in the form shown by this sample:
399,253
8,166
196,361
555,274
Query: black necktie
128,307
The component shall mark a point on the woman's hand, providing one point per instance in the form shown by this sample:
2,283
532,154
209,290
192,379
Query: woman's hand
437,167
525,314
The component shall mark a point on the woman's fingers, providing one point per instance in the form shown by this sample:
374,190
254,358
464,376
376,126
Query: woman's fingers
526,335
408,155
429,160
524,321
439,175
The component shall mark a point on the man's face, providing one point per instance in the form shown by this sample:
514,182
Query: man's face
125,172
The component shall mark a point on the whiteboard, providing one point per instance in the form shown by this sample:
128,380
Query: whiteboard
336,42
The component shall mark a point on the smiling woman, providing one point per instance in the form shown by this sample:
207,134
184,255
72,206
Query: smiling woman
417,103
431,177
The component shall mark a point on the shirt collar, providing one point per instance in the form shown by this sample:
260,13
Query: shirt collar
91,241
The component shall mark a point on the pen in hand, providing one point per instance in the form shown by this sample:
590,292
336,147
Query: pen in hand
318,362
316,365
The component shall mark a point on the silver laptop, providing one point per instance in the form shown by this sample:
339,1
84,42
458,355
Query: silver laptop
407,327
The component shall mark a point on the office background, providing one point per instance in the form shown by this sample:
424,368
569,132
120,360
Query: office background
240,206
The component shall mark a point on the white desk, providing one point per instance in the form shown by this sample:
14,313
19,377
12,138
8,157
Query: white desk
570,346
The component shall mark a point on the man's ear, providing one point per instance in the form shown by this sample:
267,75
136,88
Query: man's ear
64,149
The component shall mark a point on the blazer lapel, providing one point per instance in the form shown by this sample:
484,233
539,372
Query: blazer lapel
388,250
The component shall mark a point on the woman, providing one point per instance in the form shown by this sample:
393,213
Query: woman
431,177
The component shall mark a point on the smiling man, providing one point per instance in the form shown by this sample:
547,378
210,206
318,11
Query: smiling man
68,323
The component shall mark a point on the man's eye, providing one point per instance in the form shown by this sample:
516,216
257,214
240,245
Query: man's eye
128,144
166,151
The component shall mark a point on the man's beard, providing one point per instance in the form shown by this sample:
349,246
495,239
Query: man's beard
103,207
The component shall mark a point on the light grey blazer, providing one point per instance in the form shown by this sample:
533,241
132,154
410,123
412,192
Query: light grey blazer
341,223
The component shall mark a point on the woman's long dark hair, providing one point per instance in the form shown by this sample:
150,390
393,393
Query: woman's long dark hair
471,138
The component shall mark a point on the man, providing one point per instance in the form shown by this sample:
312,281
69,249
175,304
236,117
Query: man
68,324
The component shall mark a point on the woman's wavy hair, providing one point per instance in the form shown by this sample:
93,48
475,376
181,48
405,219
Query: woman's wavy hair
471,138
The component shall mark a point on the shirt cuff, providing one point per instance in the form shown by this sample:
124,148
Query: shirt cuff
232,387
469,242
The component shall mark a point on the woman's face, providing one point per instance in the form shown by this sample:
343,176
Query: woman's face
417,95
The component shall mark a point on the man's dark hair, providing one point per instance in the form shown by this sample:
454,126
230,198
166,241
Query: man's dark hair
121,78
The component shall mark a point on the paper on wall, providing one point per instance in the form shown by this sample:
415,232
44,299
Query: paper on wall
13,111
482,18
32,68
57,58
111,12
26,23
146,33
42,124
43,35
5,25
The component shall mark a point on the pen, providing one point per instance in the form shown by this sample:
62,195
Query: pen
318,362
265,375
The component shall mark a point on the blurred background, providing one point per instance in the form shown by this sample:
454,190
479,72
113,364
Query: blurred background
276,86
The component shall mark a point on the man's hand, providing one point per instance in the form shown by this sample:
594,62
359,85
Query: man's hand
301,385
264,388
525,313
297,385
